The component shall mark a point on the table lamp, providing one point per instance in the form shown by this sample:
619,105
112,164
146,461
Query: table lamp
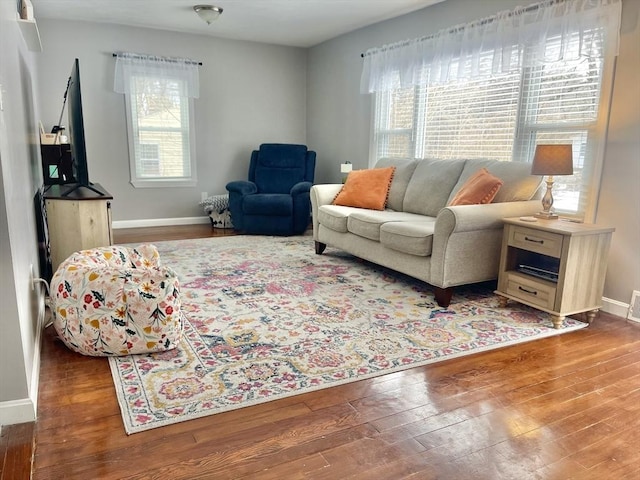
551,160
345,168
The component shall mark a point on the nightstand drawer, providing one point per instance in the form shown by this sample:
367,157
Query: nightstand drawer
538,241
530,290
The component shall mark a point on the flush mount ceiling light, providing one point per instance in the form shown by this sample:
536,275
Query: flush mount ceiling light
208,13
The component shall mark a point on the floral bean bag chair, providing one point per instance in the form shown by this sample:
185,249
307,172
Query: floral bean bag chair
116,301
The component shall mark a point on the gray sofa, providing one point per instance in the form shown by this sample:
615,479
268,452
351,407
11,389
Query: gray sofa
418,234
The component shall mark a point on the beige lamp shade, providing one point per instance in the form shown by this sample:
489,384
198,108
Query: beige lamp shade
552,160
345,167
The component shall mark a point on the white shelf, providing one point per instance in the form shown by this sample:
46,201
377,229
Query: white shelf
31,34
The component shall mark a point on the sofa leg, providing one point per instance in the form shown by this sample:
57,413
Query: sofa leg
320,247
443,296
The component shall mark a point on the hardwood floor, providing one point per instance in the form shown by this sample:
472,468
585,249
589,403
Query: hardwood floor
557,408
16,451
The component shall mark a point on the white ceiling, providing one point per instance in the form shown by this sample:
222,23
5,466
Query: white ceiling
299,23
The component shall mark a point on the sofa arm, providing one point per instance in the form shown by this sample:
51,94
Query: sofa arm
465,218
467,241
325,193
322,194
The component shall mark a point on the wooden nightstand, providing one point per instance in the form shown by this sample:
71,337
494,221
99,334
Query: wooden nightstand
555,266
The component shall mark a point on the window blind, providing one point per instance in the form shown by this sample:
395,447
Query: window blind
160,116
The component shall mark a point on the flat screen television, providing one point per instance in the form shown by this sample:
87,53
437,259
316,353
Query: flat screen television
73,97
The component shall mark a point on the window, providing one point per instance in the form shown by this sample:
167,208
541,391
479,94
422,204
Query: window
159,96
478,111
160,123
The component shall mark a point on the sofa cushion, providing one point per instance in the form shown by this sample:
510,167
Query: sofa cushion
274,204
430,186
414,238
517,182
334,217
366,188
479,189
404,170
367,223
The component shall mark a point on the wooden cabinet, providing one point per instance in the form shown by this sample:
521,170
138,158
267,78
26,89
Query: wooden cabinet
77,220
556,266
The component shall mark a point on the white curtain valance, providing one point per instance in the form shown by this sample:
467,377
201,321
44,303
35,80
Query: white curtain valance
550,31
166,68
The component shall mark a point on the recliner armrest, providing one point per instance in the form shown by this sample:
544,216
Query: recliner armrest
300,187
243,187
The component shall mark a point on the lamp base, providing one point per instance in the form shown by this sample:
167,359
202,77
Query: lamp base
546,215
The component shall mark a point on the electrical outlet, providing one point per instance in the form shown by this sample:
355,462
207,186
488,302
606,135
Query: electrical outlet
204,196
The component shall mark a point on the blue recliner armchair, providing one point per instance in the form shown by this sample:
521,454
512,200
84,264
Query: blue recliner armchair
275,199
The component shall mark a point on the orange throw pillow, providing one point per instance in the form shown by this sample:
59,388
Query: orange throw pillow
366,188
481,188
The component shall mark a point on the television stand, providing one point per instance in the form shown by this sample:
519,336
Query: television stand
77,219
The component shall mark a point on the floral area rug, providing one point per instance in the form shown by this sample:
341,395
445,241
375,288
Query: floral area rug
267,318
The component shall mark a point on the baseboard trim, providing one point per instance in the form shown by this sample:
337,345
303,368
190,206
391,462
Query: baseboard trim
159,222
17,411
614,307
35,372
25,409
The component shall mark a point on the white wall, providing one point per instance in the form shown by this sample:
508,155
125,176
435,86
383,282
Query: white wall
19,178
250,93
619,203
339,119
